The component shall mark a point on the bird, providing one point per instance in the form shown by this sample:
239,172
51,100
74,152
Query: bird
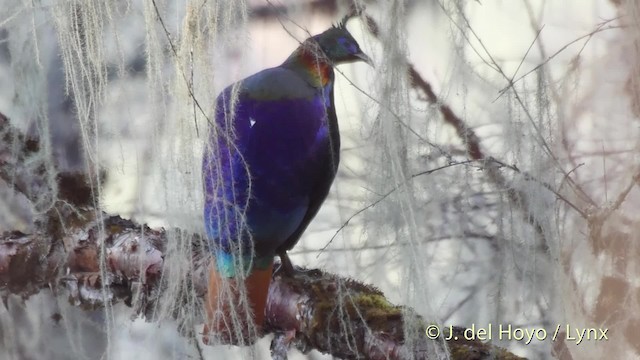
270,159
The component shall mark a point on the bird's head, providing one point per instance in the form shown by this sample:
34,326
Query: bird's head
318,54
339,46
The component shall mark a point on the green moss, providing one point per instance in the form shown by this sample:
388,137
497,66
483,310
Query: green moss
375,301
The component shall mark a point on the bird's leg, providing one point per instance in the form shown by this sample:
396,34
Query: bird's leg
285,264
289,270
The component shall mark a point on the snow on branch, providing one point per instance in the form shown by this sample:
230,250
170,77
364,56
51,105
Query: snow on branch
307,311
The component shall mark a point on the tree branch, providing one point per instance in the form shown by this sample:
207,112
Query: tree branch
307,311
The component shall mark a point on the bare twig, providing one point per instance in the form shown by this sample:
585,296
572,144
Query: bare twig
470,139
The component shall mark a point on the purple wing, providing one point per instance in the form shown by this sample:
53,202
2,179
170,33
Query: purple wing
271,162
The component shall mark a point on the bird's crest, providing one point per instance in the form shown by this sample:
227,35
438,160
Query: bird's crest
343,22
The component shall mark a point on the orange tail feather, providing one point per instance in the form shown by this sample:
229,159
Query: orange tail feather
219,306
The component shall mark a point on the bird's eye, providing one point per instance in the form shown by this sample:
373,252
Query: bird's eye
348,45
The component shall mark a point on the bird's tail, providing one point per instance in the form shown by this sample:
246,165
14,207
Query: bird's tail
230,318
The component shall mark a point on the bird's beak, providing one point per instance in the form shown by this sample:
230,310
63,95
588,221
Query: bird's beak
362,56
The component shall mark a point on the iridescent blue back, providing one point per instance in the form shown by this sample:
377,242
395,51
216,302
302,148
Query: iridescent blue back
269,152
